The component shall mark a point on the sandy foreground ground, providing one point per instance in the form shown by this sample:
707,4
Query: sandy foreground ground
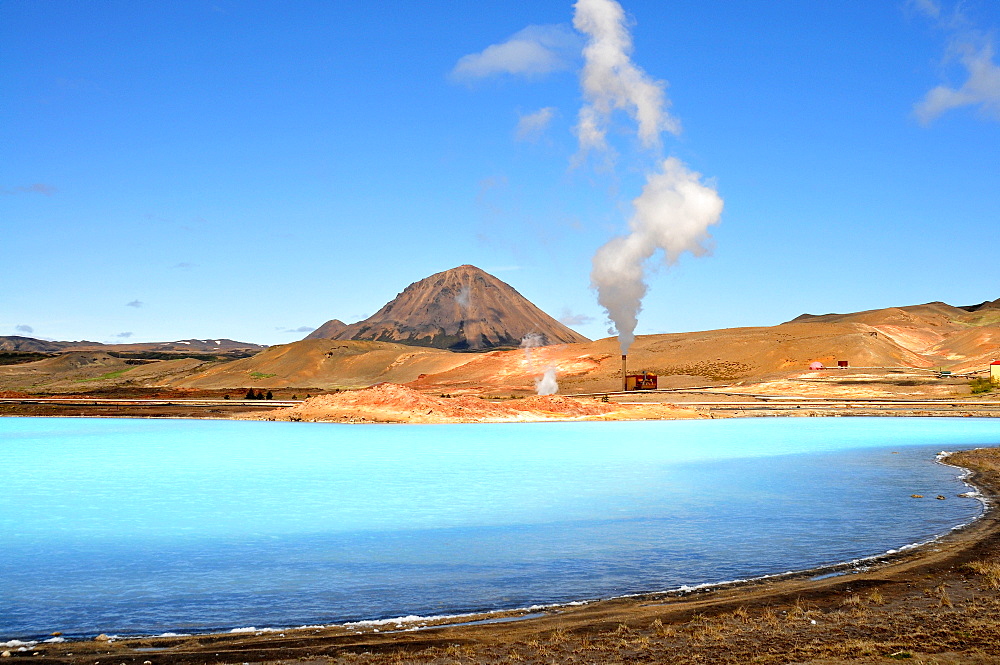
393,403
936,604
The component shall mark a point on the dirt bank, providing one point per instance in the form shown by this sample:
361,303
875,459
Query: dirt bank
393,403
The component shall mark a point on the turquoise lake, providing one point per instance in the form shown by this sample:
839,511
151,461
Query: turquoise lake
129,526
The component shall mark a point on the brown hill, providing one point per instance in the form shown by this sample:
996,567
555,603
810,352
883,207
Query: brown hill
680,359
30,344
934,335
86,371
462,309
326,364
987,304
328,330
216,345
930,314
958,338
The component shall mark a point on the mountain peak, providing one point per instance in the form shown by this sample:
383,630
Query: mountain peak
328,330
461,309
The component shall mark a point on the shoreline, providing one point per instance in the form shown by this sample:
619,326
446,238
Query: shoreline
396,403
736,410
483,633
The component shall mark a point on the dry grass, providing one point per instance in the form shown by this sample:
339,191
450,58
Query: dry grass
988,570
659,630
770,618
854,600
944,599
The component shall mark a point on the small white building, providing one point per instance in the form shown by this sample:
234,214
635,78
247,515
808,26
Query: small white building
995,372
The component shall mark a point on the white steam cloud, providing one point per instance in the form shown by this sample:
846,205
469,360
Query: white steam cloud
531,341
464,297
611,81
545,384
675,208
672,214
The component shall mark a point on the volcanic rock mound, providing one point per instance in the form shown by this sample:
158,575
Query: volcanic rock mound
462,309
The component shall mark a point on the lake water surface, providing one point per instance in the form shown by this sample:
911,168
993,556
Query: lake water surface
147,526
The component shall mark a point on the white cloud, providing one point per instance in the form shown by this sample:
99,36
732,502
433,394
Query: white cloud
671,215
23,328
981,88
974,51
530,127
612,82
927,7
36,188
124,335
570,319
534,51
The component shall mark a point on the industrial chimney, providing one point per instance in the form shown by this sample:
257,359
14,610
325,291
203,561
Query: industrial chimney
624,373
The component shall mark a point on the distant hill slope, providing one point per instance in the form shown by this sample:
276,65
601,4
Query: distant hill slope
328,330
30,344
932,313
989,304
462,309
959,338
83,371
680,359
219,345
326,364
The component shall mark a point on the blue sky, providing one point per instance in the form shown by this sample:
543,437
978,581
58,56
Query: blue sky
252,169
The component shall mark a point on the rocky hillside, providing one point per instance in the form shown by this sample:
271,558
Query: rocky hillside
462,309
220,346
958,338
326,364
328,330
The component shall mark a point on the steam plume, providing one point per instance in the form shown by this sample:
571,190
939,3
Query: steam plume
672,214
611,81
675,208
545,384
464,297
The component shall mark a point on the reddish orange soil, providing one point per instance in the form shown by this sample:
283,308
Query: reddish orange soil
393,403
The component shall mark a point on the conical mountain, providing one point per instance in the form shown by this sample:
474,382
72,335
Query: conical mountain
328,330
462,309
